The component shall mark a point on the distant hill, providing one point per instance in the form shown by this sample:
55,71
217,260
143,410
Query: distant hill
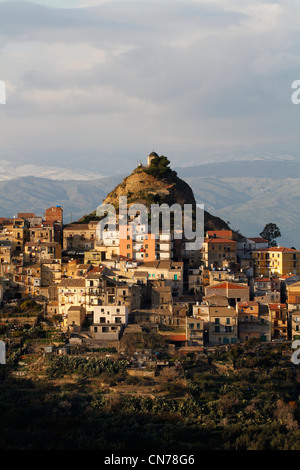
157,185
36,194
250,194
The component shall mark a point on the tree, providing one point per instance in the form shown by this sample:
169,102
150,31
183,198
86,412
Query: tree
270,233
159,167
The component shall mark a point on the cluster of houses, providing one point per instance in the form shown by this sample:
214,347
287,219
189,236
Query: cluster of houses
231,290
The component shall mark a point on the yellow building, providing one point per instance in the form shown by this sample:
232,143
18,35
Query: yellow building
293,297
276,261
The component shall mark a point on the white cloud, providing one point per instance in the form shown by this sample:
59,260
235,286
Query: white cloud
185,75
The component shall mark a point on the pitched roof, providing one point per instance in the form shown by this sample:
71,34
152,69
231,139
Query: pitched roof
258,240
69,282
286,276
278,249
276,306
227,285
220,240
177,338
220,233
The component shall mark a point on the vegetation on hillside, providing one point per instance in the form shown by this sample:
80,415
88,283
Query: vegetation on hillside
244,397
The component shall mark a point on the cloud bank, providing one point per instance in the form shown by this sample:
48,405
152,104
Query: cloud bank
98,86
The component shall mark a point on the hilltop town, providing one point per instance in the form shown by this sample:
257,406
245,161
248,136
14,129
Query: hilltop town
107,339
231,290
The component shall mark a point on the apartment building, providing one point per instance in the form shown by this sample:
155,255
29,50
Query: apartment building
33,281
109,322
220,275
6,251
276,262
107,246
219,252
171,272
234,292
194,331
37,251
71,292
223,325
293,296
41,233
267,290
161,295
54,214
195,280
286,281
79,237
173,315
246,246
16,231
279,321
248,320
137,243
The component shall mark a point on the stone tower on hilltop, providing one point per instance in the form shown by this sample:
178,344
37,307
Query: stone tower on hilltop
150,158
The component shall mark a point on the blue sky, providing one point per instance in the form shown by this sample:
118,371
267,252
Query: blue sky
100,84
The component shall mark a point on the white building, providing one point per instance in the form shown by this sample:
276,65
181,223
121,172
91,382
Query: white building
109,322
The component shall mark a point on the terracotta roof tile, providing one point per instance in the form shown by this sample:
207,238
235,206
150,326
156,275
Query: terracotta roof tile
227,285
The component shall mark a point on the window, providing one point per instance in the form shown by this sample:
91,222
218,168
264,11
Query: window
217,321
227,321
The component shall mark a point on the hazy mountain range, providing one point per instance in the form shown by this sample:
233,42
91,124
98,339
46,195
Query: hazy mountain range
248,193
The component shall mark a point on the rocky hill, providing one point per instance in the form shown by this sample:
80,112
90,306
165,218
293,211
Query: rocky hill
156,183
